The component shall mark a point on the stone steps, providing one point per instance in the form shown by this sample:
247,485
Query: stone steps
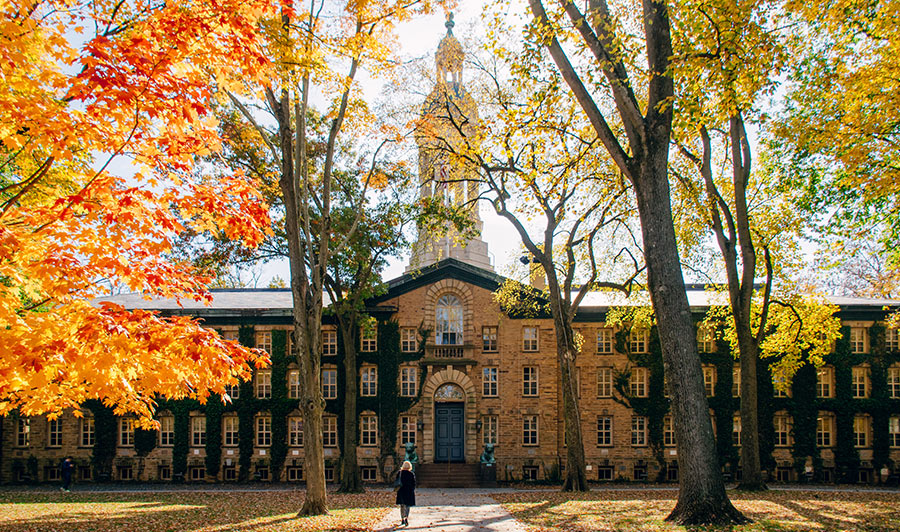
448,475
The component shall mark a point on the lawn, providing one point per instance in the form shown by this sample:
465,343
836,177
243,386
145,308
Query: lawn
185,512
772,511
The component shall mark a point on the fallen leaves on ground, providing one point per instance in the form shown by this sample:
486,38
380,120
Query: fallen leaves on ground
211,511
645,510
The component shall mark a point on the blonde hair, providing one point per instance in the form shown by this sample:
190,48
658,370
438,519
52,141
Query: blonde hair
407,466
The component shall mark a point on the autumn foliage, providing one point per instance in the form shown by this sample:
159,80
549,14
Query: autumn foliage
105,111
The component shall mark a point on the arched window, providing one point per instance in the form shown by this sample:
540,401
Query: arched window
449,392
448,321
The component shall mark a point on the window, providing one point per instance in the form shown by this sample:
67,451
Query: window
824,430
489,339
198,431
530,381
368,340
368,474
605,473
126,473
293,377
530,339
409,381
126,432
23,432
668,431
858,340
295,431
230,430
263,431
706,339
860,382
329,342
638,430
530,473
894,432
197,473
604,382
604,430
164,472
448,321
408,430
329,383
604,341
295,474
782,388
230,474
736,431
264,341
54,433
709,380
368,430
782,425
489,382
490,429
638,340
825,382
329,431
87,432
861,431
736,381
368,381
166,431
264,384
233,391
408,341
891,339
529,430
637,383
893,382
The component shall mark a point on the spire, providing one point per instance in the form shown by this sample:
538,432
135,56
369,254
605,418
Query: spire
449,56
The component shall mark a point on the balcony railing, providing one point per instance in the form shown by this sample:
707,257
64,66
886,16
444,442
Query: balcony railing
448,351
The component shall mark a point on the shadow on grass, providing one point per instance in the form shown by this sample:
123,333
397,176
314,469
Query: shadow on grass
637,510
183,511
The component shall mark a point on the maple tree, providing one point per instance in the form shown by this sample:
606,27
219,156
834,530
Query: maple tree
87,86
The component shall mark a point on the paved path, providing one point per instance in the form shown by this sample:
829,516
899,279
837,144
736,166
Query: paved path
453,510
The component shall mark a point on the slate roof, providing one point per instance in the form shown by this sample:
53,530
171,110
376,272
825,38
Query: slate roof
276,302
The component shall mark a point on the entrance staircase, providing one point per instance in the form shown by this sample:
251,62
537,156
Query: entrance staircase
447,475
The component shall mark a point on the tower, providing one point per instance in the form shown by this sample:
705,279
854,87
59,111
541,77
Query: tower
449,118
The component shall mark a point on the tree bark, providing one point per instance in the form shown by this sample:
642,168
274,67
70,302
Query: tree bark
350,478
576,477
701,498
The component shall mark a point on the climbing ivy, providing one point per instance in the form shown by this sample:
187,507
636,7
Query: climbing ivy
105,431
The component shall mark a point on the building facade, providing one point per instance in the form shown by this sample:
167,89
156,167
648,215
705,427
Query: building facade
450,371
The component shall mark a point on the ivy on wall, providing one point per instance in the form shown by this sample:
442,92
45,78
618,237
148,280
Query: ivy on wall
105,432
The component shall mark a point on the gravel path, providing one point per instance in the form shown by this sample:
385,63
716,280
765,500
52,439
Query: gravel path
453,510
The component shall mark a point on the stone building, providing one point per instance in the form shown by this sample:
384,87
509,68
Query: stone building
450,371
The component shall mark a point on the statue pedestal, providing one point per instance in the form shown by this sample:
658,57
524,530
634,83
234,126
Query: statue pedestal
488,475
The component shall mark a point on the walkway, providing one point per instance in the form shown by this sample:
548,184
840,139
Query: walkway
453,510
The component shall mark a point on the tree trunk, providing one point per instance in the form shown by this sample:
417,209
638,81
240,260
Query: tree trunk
576,478
350,479
751,466
701,498
306,312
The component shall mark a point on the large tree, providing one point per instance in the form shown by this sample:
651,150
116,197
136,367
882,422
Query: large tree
638,143
89,88
319,47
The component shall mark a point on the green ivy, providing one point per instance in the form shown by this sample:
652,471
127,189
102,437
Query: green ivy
280,404
181,411
145,441
246,411
214,408
105,431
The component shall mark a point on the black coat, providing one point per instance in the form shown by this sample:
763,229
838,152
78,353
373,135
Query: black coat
407,492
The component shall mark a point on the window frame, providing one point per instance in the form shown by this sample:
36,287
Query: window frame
368,381
54,432
604,431
604,384
198,431
262,430
490,427
230,438
263,384
638,431
329,431
490,338
606,341
530,381
490,381
825,382
531,339
126,432
409,341
639,340
530,430
329,342
638,382
167,431
295,431
409,381
368,430
329,385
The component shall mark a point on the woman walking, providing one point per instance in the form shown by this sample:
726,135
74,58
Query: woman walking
406,494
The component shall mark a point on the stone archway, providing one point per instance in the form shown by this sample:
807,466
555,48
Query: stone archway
436,380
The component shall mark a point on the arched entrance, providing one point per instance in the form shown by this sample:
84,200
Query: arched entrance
449,424
449,412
